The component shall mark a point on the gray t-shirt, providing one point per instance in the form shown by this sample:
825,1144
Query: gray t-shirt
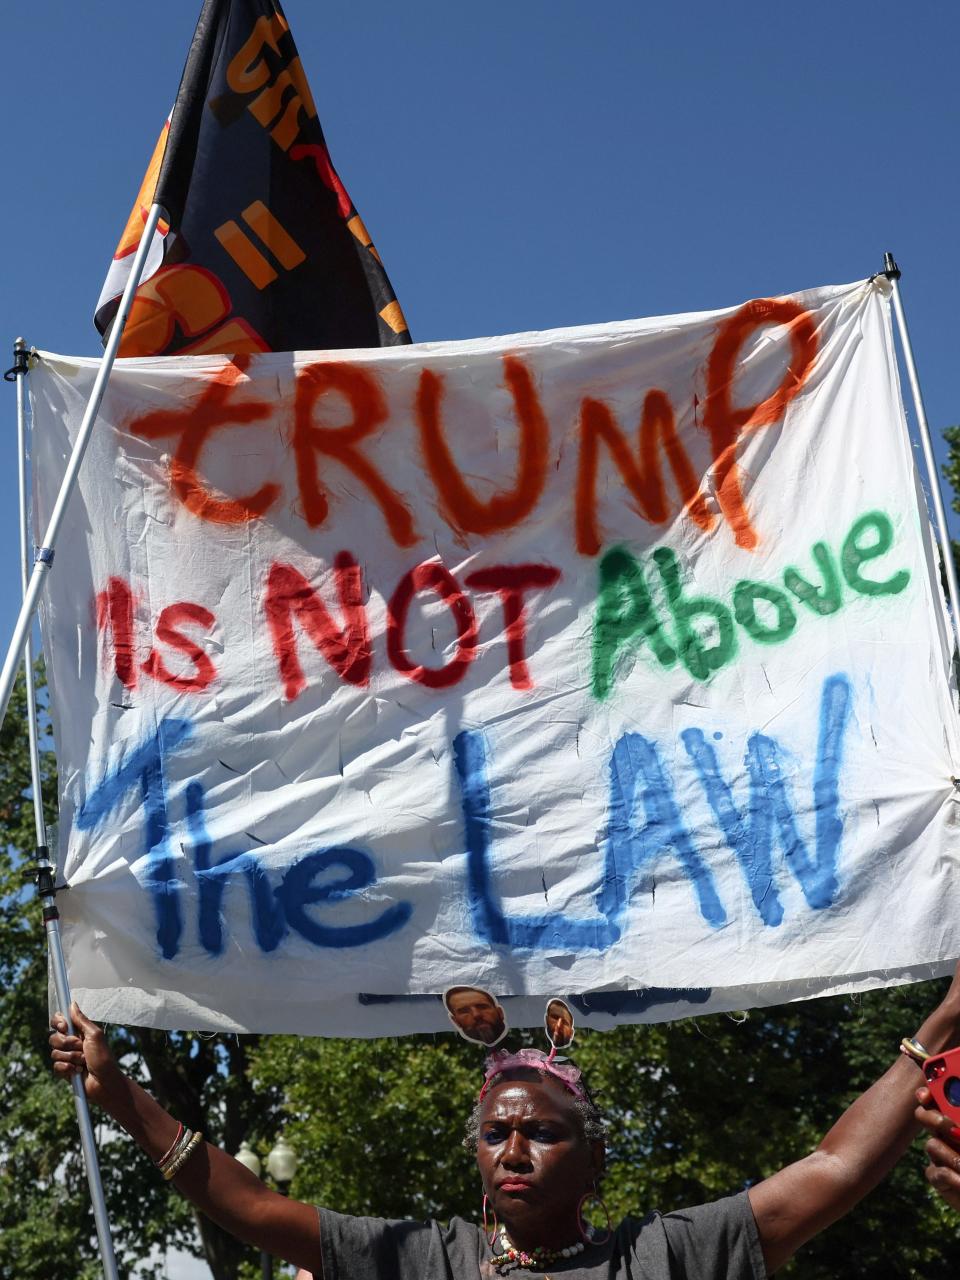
716,1241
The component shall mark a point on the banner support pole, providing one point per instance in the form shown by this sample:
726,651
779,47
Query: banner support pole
44,554
43,872
892,272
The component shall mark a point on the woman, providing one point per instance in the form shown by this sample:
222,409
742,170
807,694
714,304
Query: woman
540,1152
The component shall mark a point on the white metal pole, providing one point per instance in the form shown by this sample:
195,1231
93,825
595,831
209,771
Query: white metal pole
44,555
20,368
892,272
44,866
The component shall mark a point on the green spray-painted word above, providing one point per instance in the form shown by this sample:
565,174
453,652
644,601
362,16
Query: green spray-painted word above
702,631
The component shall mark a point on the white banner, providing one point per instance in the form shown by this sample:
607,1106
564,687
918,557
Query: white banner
608,663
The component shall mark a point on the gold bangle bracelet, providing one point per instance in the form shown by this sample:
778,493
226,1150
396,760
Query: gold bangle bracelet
178,1147
912,1048
175,1165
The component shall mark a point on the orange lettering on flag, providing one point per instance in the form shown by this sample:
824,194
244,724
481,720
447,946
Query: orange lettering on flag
193,300
280,103
282,91
248,69
274,237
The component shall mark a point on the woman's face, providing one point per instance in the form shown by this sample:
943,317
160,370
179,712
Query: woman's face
534,1160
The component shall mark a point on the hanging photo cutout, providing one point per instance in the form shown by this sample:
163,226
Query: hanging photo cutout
558,1021
476,1015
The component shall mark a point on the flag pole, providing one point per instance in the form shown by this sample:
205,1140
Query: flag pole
43,872
44,554
892,273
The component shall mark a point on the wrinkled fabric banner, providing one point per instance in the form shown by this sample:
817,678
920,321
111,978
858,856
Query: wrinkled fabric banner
606,662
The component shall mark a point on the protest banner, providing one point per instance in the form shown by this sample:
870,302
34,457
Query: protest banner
606,662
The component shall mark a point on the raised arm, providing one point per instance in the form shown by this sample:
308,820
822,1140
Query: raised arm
859,1151
216,1183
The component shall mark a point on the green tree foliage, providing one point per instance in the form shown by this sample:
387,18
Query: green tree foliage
46,1224
951,468
951,473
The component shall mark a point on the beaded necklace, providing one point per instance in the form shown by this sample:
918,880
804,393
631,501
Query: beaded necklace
510,1257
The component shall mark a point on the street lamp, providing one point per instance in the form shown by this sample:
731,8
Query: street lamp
281,1166
248,1158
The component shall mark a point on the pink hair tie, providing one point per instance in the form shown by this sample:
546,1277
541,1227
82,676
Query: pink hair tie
502,1060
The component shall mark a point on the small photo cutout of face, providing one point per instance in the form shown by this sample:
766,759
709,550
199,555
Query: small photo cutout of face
558,1021
475,1013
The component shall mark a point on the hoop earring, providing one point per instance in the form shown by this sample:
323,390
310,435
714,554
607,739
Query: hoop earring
491,1235
586,1234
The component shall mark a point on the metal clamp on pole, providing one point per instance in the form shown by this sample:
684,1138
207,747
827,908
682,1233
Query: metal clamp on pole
20,362
890,269
41,874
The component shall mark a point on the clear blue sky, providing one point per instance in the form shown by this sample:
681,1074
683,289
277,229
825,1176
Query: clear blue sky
525,165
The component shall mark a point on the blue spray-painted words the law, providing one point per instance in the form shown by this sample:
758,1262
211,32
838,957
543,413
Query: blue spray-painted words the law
274,909
644,825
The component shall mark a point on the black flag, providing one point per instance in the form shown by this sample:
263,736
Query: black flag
260,247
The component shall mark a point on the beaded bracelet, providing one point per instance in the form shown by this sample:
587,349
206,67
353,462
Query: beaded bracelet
912,1048
177,1163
